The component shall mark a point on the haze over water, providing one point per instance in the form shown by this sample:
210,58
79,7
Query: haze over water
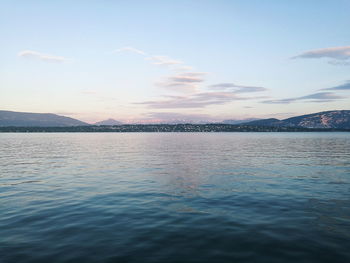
175,197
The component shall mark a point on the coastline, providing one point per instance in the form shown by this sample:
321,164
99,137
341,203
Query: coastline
166,128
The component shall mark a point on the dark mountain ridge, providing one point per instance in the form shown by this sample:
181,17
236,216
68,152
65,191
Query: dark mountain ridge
338,119
27,119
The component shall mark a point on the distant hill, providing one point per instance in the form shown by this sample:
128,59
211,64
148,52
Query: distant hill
339,119
108,122
26,119
239,121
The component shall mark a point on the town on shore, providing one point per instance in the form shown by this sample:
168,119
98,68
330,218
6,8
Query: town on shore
168,128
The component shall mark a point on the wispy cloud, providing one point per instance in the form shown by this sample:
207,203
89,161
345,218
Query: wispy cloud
316,97
197,100
340,55
164,60
155,59
191,77
345,86
30,54
184,68
183,81
130,49
237,88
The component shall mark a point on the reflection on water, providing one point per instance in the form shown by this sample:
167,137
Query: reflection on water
178,197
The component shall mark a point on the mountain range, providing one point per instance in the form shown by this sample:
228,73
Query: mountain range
338,119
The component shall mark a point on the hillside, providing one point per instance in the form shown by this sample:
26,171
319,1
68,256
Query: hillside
26,119
339,119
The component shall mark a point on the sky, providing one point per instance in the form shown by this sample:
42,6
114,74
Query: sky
158,61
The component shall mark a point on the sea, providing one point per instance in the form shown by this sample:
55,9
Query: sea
175,197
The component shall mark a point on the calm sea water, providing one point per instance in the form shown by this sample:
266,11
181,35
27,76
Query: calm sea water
175,197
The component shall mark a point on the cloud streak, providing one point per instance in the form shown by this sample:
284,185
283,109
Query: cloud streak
30,54
316,97
164,61
340,55
237,88
183,81
345,86
197,100
156,59
186,78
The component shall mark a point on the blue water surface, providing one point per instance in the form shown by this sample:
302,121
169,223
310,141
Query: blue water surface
175,197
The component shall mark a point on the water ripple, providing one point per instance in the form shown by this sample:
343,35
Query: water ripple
233,197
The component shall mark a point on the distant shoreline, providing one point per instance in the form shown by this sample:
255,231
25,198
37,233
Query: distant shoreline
166,128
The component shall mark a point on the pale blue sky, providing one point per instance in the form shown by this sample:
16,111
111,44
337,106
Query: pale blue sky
164,60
